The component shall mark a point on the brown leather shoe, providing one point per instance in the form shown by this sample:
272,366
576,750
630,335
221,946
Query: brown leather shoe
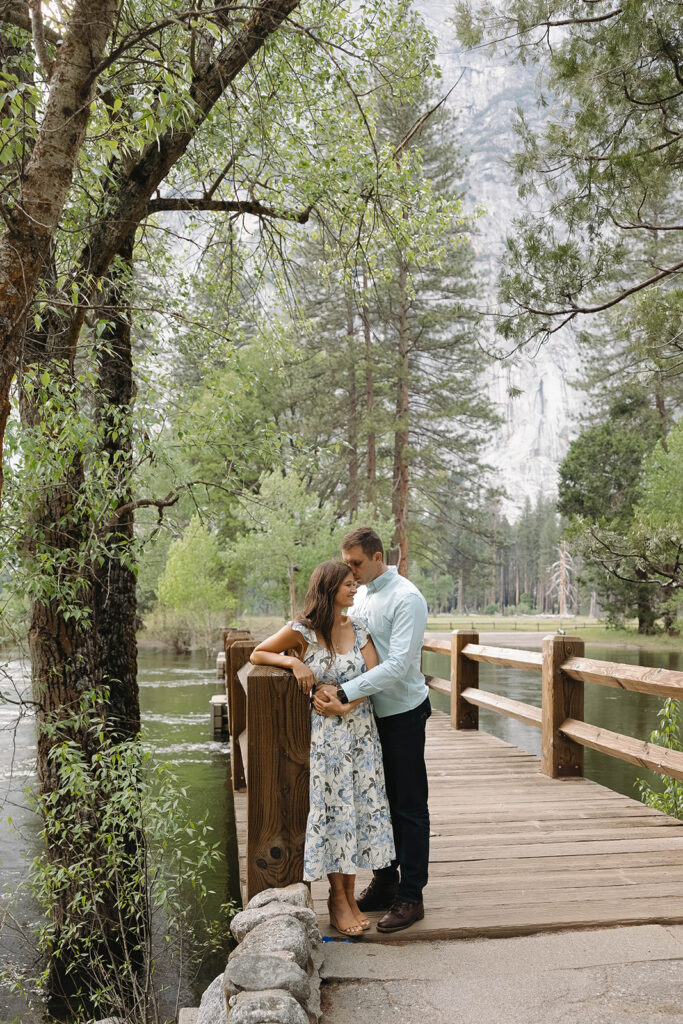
376,897
401,915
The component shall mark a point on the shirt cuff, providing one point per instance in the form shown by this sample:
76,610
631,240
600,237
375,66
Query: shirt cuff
351,691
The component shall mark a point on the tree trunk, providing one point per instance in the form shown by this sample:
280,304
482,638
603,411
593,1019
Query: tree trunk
292,591
114,592
30,225
400,482
352,437
371,472
92,652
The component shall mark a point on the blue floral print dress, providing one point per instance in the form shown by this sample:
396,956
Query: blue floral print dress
349,826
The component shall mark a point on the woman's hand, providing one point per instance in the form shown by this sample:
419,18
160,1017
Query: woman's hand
326,702
303,674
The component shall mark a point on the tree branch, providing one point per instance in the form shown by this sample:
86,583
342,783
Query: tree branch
579,21
573,310
38,33
15,12
240,206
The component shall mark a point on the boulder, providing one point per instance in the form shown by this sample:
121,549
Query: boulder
272,1006
212,1008
282,933
298,894
248,919
258,971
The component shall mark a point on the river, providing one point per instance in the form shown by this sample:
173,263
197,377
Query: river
174,696
175,693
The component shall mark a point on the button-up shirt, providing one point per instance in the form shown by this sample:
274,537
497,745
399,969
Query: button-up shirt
395,612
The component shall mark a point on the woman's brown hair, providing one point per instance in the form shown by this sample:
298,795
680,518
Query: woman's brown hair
324,583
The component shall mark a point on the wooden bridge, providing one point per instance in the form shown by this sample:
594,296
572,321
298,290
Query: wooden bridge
519,844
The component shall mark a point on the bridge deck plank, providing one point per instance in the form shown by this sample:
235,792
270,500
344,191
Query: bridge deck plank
514,852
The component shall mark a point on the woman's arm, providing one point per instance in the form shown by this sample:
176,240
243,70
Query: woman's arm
369,653
271,652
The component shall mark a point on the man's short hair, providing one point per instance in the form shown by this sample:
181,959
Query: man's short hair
366,538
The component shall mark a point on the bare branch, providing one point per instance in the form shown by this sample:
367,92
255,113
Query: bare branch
241,206
38,32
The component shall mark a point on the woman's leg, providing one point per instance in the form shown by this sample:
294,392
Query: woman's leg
349,889
342,916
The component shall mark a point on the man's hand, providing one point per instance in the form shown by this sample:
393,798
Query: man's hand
326,702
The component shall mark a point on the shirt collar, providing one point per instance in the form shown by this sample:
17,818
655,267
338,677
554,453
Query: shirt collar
382,580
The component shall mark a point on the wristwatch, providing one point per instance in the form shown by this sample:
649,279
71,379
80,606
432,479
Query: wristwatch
341,696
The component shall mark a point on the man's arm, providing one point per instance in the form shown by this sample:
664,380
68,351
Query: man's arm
405,644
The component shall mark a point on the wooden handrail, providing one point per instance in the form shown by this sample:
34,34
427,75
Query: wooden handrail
661,682
645,755
564,670
527,713
505,656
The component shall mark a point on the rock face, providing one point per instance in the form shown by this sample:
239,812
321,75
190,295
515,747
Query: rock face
538,424
273,975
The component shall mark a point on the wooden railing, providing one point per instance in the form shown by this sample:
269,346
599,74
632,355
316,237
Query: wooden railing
564,670
269,723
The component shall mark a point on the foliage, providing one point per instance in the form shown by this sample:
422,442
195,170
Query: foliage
134,855
287,532
607,159
193,582
669,799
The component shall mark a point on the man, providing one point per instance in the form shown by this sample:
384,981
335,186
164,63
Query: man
395,613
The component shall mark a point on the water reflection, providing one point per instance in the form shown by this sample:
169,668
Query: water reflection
633,714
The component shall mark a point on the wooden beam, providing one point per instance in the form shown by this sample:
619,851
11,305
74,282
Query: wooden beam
436,646
507,657
562,698
661,682
464,676
237,657
644,755
438,684
504,706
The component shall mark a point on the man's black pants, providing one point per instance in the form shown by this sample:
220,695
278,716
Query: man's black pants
403,749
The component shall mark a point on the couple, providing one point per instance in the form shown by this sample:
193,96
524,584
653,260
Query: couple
370,704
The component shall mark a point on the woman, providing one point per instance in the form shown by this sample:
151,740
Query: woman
348,822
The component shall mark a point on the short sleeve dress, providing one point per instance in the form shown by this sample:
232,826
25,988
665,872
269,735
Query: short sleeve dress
349,825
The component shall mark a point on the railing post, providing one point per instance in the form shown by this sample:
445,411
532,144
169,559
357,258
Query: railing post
278,745
237,655
562,698
464,673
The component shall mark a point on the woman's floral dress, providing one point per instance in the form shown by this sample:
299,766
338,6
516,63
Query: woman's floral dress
349,825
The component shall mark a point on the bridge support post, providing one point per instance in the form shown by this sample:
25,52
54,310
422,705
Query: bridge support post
464,673
562,698
278,745
237,655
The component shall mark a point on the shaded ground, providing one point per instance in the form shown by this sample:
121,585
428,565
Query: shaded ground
613,976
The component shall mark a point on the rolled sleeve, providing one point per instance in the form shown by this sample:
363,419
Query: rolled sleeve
405,644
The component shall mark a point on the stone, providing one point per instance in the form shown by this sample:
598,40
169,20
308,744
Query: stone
188,1014
248,919
277,934
272,1006
212,1008
298,894
257,971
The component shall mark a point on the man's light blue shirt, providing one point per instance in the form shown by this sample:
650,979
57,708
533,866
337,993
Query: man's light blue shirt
395,612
